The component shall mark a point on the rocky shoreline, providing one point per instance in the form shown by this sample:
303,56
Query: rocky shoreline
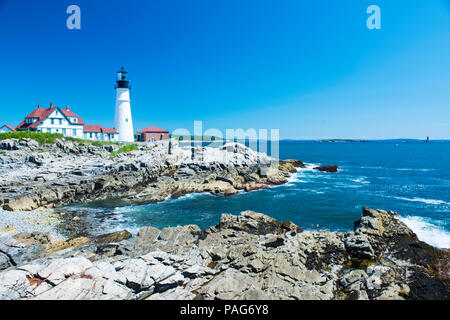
33,176
250,256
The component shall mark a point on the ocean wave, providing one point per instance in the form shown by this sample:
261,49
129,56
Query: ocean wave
427,201
295,177
188,196
361,180
428,232
412,169
308,167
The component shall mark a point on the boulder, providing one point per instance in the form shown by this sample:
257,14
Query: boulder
358,246
33,237
327,168
113,237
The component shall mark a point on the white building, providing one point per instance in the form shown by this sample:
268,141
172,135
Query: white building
66,122
122,118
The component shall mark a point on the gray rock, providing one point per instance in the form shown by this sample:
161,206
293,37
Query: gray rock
358,246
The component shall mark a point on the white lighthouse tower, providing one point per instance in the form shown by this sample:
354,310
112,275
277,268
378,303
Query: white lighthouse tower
122,119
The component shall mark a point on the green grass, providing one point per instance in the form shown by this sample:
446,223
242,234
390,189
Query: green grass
126,148
94,143
40,137
49,138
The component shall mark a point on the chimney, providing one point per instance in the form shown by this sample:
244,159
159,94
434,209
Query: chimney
51,104
67,108
39,106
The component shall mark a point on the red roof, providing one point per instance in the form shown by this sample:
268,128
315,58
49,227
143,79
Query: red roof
41,114
92,128
98,129
109,130
69,113
10,127
153,129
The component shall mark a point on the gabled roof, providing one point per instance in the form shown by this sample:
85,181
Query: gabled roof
42,113
10,127
153,129
69,113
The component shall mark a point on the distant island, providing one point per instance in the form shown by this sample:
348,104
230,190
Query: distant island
342,140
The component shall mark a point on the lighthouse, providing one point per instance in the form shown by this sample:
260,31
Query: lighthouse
122,119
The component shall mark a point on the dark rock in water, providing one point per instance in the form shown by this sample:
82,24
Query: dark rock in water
113,237
327,168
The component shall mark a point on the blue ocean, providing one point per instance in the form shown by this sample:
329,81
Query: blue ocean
409,177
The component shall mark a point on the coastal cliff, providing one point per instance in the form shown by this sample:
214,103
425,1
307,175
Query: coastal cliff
249,256
34,175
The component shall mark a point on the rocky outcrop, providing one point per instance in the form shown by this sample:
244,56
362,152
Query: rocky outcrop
330,169
249,256
33,175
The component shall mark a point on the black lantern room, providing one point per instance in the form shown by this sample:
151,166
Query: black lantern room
122,79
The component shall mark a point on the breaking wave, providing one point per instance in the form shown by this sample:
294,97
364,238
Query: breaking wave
428,232
427,201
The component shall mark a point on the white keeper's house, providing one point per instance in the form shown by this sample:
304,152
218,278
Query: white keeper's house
66,122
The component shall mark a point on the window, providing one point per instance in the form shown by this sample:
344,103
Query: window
60,121
52,121
63,131
126,120
90,135
74,132
74,120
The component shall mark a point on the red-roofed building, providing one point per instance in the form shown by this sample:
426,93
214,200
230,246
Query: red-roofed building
96,132
66,122
152,134
7,128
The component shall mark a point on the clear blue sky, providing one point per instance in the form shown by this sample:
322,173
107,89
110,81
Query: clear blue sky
309,68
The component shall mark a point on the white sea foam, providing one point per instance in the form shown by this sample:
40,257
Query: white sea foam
189,196
308,167
412,169
428,201
428,232
361,180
